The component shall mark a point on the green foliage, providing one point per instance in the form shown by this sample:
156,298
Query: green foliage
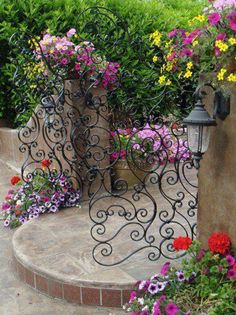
142,18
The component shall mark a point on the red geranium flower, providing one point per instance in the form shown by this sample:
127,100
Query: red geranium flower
15,180
182,243
45,163
219,243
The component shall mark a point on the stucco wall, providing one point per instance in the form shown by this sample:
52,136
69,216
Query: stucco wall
217,178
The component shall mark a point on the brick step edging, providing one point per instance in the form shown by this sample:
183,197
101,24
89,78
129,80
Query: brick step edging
106,297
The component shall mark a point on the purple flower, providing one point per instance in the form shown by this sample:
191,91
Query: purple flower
144,312
180,276
172,309
71,32
231,274
214,18
64,61
161,286
165,269
230,259
153,288
188,40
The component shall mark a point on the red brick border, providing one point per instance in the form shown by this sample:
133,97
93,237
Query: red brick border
107,297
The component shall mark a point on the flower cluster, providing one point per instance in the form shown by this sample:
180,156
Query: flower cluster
74,59
205,283
41,193
208,46
152,143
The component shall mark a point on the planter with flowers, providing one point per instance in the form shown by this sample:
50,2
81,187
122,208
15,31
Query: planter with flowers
205,284
207,48
87,78
138,152
44,192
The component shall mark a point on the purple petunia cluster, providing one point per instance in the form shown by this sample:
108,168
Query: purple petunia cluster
42,193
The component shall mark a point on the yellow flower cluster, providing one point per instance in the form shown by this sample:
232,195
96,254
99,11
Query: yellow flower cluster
155,59
33,69
221,74
156,38
231,78
221,45
164,81
199,18
232,41
188,72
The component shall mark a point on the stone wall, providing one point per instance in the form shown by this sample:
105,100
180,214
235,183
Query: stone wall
217,178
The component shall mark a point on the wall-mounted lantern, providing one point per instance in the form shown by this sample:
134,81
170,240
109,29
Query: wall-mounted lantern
199,121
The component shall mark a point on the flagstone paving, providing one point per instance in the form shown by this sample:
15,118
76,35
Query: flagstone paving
16,298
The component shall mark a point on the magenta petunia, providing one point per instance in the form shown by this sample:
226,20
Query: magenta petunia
186,52
165,268
214,18
230,259
173,33
172,309
132,297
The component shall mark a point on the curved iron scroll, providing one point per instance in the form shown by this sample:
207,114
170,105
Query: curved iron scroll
132,166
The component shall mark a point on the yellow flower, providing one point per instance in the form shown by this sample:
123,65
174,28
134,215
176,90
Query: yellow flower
188,74
231,78
195,43
221,45
162,79
180,74
169,66
221,74
155,59
200,18
156,38
232,41
168,82
189,65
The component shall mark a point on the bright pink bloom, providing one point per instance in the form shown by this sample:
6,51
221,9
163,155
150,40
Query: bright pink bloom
165,269
188,40
133,295
221,36
173,33
214,18
231,274
230,259
77,67
172,56
232,19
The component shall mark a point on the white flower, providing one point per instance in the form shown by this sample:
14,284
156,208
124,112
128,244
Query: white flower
145,308
141,301
19,202
142,285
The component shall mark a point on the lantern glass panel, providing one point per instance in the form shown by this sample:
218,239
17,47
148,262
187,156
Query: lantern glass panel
198,138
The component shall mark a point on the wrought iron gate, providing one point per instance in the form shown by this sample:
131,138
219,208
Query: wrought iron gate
130,161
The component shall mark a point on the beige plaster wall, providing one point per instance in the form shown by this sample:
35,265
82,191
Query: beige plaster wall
217,179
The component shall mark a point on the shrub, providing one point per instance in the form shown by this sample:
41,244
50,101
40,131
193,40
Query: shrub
139,17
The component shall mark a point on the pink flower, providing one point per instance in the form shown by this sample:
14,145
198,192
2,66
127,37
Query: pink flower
172,56
6,206
173,33
133,295
230,259
231,274
165,269
71,32
221,36
188,40
186,52
77,67
64,61
214,18
172,309
232,18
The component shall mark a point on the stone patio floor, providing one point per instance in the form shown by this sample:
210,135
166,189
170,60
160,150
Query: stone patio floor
18,299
